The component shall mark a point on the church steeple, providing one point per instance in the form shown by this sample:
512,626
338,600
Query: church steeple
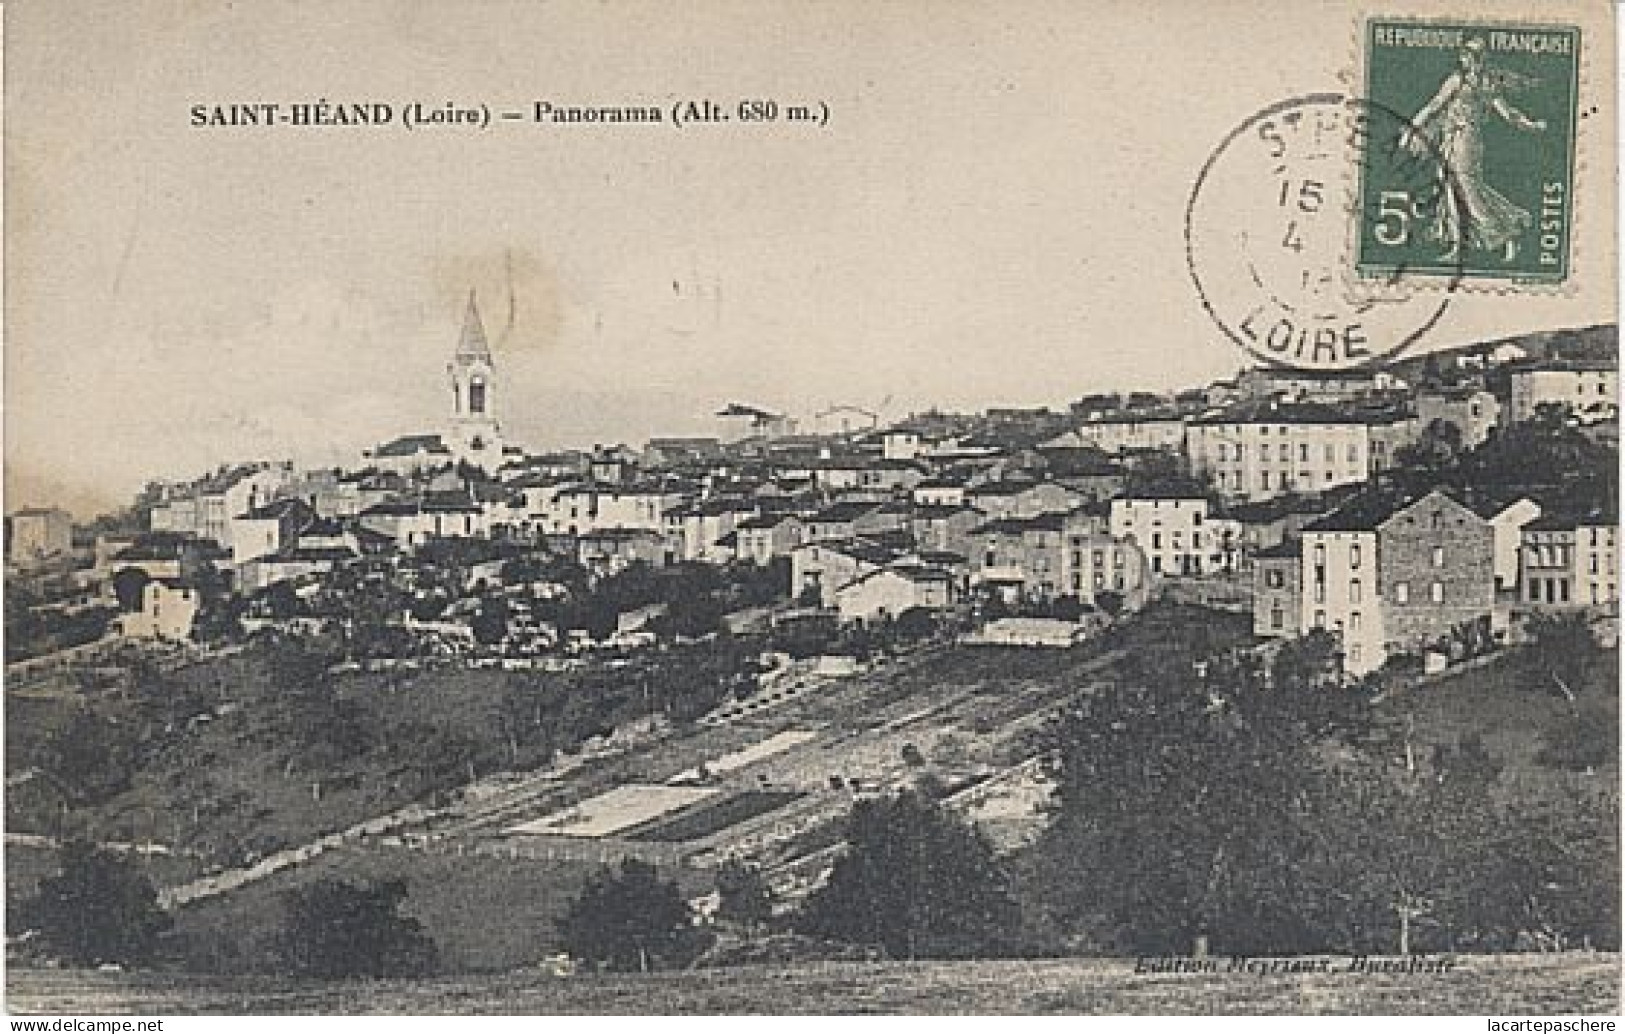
473,345
474,435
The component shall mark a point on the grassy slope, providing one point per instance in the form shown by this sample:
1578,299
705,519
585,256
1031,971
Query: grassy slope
1515,985
485,914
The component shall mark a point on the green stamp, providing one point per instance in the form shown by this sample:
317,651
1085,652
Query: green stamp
1478,185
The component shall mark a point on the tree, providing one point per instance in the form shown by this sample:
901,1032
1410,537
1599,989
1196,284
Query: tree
335,929
99,909
744,895
1109,602
626,920
1182,791
1437,448
129,584
490,622
918,881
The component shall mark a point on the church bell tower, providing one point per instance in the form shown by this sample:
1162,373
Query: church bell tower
474,435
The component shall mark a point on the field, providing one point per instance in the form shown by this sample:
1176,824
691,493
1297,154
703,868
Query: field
1540,985
485,914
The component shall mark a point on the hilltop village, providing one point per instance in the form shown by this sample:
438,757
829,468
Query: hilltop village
485,671
1303,498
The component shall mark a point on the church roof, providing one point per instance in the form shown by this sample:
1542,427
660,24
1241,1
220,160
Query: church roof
473,345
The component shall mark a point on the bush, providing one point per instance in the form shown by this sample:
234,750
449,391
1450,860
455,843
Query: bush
99,909
335,929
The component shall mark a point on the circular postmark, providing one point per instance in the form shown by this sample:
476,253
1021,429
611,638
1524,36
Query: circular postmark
1269,226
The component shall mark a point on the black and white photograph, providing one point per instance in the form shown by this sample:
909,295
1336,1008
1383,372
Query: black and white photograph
752,508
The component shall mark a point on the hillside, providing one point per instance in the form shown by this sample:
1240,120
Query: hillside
1526,984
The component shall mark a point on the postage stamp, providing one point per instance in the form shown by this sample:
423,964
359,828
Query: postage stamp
1492,108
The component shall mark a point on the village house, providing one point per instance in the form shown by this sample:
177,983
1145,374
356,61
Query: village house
1329,386
1392,576
1172,531
818,568
38,534
1507,517
1278,589
1095,562
1262,450
1596,559
739,422
1018,499
205,507
1086,471
887,593
265,529
945,528
169,607
939,491
844,420
849,519
764,538
1587,388
1547,571
668,452
694,531
609,551
1119,432
1472,411
411,454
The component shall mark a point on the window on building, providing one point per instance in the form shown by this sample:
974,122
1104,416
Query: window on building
1562,590
1156,564
1285,451
1354,453
1281,480
1354,621
1438,556
1264,452
1320,619
1436,592
1277,618
1402,592
1354,590
1320,554
1594,563
1354,556
1354,653
1320,592
1156,540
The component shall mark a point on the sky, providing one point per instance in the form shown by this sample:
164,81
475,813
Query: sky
993,215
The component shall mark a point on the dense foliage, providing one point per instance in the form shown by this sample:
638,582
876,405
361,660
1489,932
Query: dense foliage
630,920
99,909
334,929
916,880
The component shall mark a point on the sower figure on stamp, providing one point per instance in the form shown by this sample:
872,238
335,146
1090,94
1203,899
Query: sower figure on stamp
1470,211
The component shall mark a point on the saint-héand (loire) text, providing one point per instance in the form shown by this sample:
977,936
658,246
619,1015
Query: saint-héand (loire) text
322,113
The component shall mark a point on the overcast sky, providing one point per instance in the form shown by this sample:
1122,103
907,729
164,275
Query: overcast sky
992,216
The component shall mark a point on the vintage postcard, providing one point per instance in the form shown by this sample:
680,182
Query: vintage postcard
754,508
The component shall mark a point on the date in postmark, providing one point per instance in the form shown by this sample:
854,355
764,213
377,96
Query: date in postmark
1491,107
1267,236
